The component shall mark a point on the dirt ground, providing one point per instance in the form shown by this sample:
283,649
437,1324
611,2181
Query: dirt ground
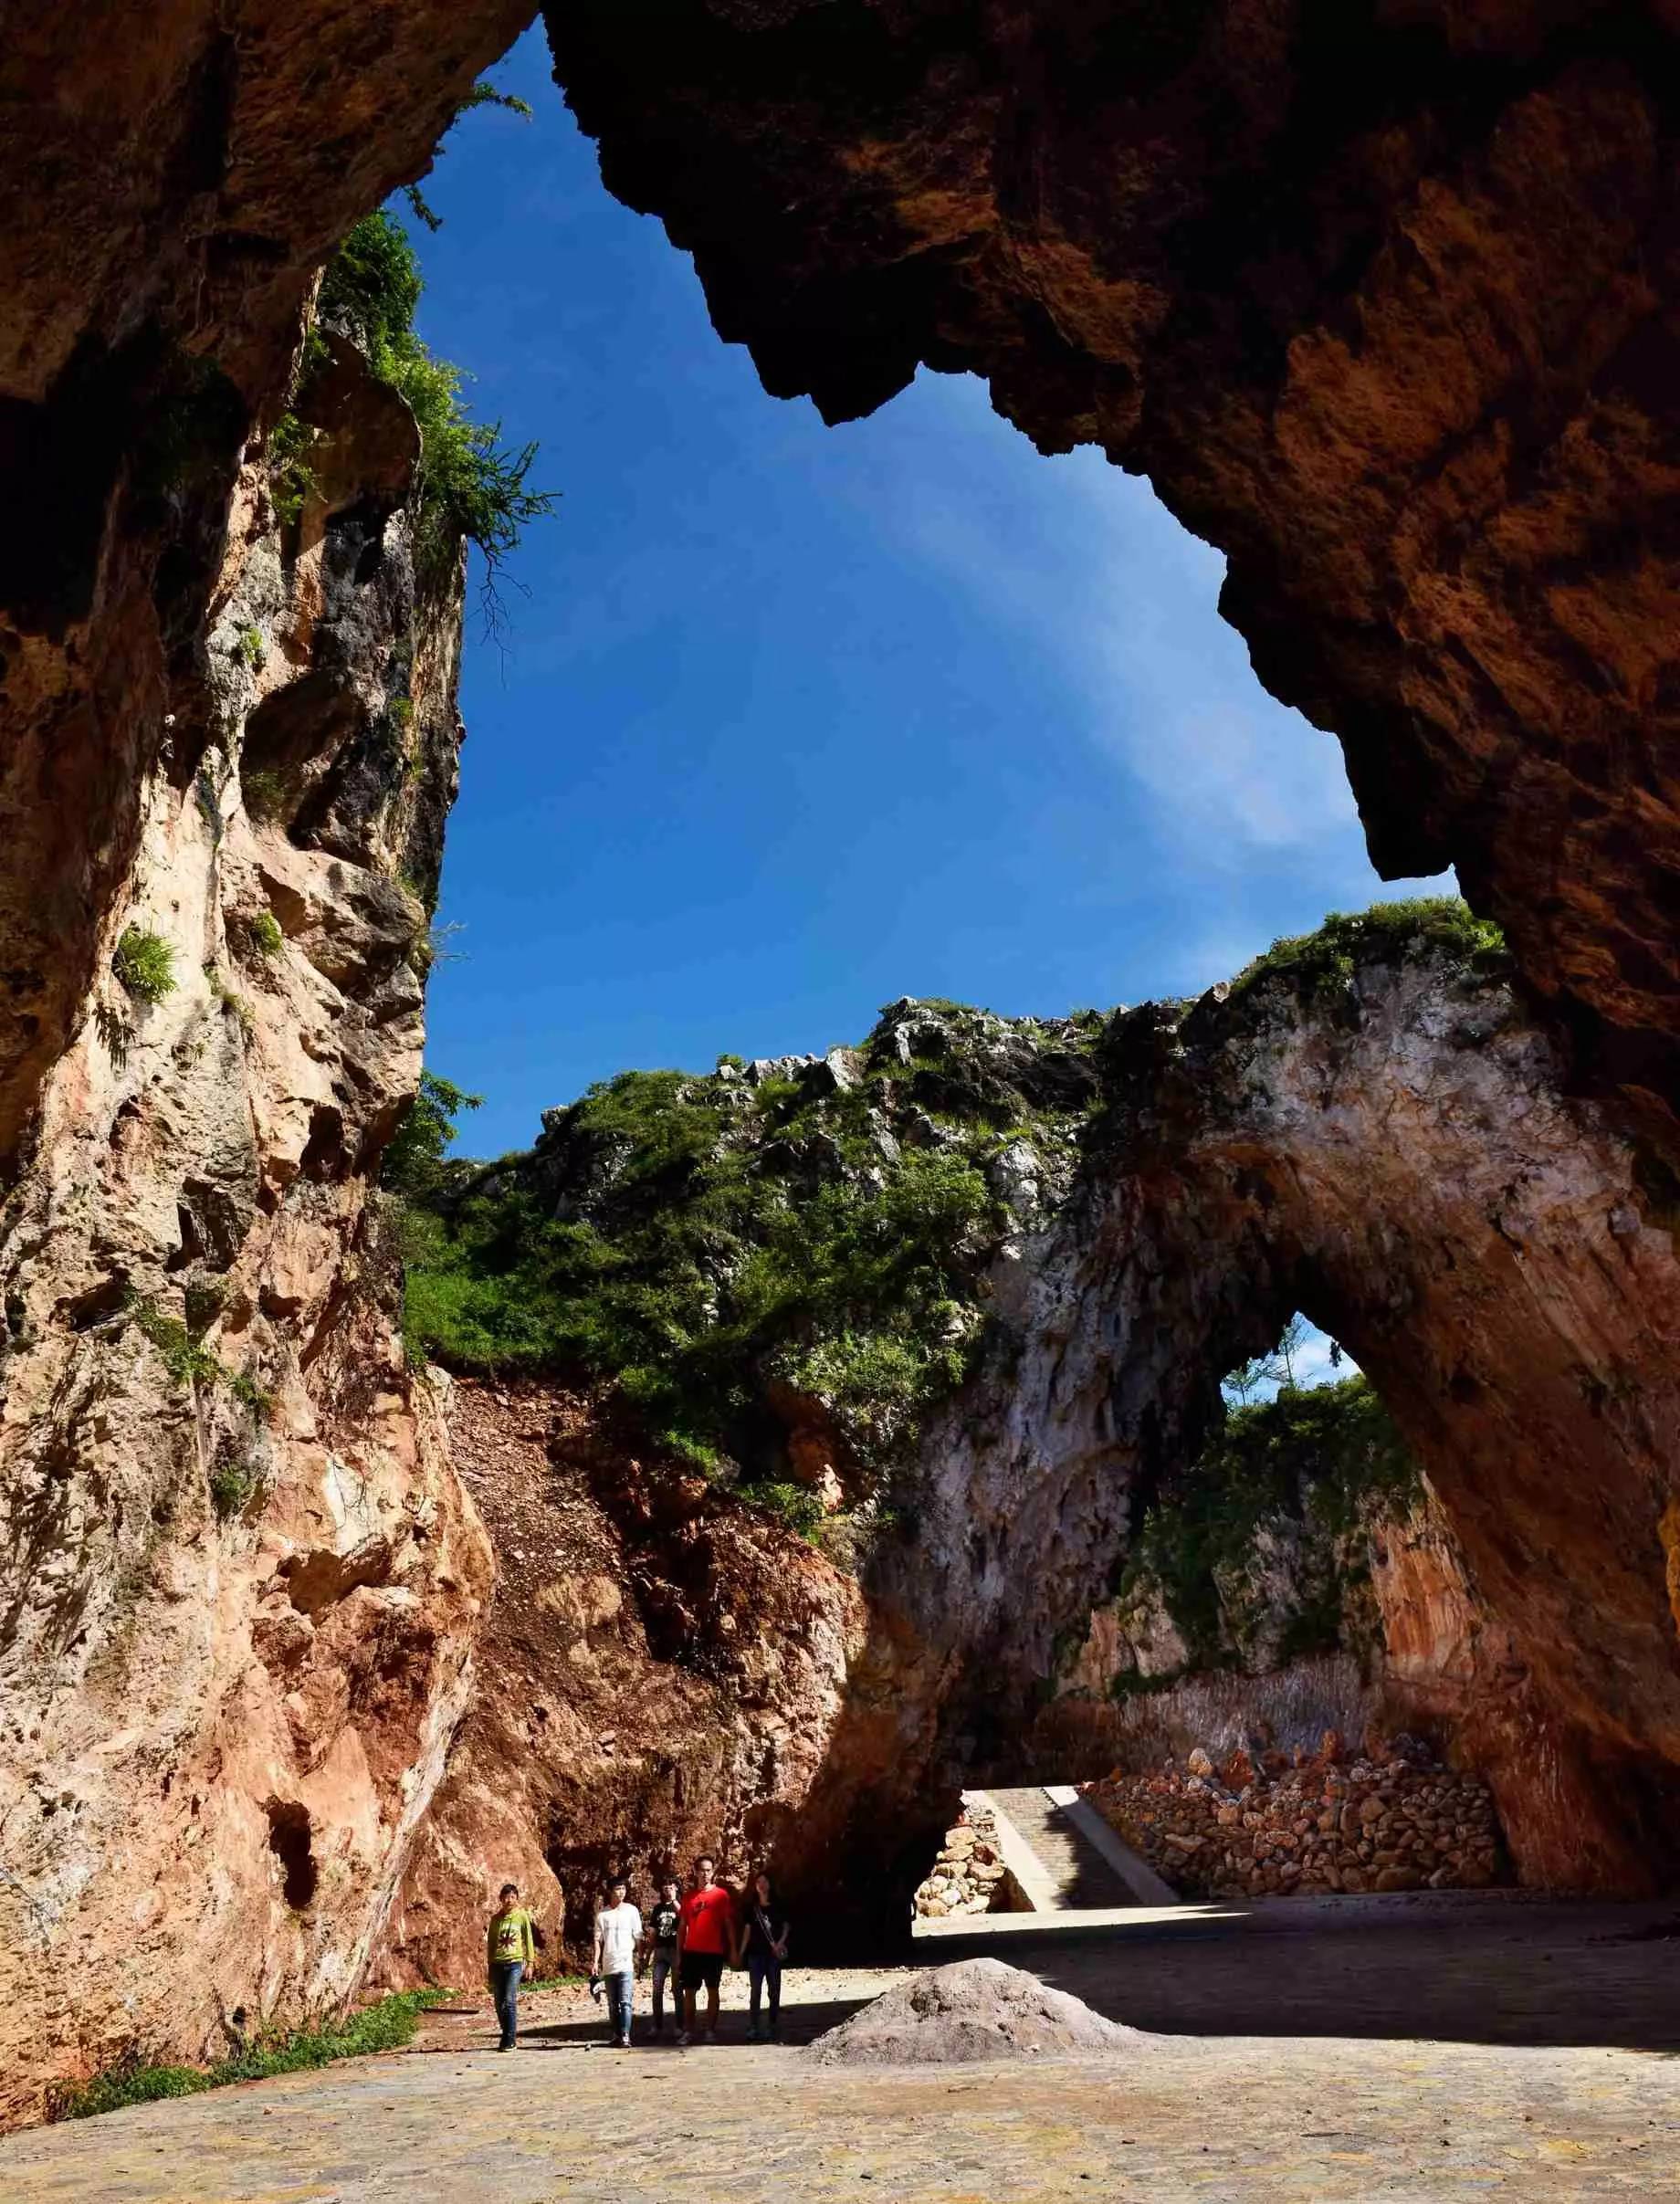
1431,2048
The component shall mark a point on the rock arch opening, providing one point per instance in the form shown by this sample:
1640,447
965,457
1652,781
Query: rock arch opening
1397,1162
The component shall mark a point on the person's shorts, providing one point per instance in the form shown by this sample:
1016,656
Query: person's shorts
702,1969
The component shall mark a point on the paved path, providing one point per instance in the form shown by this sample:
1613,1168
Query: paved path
1554,2079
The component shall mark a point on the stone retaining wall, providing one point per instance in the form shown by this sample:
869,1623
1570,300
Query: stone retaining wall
969,1877
1326,1823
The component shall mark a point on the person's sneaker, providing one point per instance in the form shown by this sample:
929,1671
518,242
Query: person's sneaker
682,2039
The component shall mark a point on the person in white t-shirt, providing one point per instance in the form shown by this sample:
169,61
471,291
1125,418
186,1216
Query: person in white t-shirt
618,1931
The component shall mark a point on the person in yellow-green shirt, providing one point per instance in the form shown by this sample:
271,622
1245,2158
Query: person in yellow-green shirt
511,1949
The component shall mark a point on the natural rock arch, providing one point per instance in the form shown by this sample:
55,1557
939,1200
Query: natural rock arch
1393,1156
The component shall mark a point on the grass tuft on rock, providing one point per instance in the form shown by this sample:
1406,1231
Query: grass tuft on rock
386,2025
144,964
1328,959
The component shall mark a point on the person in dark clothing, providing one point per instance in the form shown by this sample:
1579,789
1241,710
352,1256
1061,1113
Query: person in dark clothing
662,1927
765,1941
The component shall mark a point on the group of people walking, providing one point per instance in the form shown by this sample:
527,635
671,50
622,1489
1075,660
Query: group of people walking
687,1940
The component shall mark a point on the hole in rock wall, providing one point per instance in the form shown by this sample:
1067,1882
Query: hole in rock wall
1240,1612
289,1839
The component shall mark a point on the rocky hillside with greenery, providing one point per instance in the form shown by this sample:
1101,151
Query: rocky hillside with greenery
765,1258
783,1266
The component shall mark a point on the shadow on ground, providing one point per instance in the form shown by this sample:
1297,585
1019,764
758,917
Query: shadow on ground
1447,1966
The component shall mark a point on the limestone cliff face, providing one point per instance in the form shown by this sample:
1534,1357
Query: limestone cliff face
175,178
1382,298
238,1581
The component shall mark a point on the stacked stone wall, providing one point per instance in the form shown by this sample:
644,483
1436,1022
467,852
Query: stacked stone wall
1280,1827
969,1877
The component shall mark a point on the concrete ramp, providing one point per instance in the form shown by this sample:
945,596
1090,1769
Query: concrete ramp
1064,1860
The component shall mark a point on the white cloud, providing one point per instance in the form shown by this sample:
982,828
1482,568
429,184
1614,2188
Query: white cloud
1122,602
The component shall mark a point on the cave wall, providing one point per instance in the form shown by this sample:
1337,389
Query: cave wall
1383,296
239,1582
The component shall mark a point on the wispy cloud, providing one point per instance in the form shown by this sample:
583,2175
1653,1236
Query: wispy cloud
1121,601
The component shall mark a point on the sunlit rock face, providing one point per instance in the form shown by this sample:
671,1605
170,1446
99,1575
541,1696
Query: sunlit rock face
663,1671
238,1579
1391,1153
1379,296
175,178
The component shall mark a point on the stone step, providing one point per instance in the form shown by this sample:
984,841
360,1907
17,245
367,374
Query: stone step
1077,1871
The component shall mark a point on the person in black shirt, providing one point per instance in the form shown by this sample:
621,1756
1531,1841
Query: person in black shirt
766,1942
662,1924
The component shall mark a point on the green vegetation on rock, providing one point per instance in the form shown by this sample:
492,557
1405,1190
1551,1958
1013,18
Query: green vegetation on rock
1327,957
1279,1499
760,1248
385,2025
144,964
470,485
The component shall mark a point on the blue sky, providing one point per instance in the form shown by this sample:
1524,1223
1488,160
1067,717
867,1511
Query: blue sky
794,720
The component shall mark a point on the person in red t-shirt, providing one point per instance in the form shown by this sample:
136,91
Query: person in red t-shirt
705,1939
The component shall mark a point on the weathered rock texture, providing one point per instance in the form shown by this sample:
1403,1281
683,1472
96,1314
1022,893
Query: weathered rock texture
1390,1153
1381,297
1333,1823
174,180
238,1581
663,1671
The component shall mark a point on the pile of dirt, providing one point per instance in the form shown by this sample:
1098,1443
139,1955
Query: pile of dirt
976,2009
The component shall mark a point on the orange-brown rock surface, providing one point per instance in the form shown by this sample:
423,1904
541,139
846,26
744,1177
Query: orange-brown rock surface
663,1671
174,179
239,1582
1381,297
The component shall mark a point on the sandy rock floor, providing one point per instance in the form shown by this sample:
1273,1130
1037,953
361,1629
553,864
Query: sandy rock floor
1540,2064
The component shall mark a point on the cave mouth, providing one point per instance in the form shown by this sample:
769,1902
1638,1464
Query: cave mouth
290,1839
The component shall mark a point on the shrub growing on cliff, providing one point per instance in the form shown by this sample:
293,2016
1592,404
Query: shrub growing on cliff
1328,959
144,964
413,1162
470,485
